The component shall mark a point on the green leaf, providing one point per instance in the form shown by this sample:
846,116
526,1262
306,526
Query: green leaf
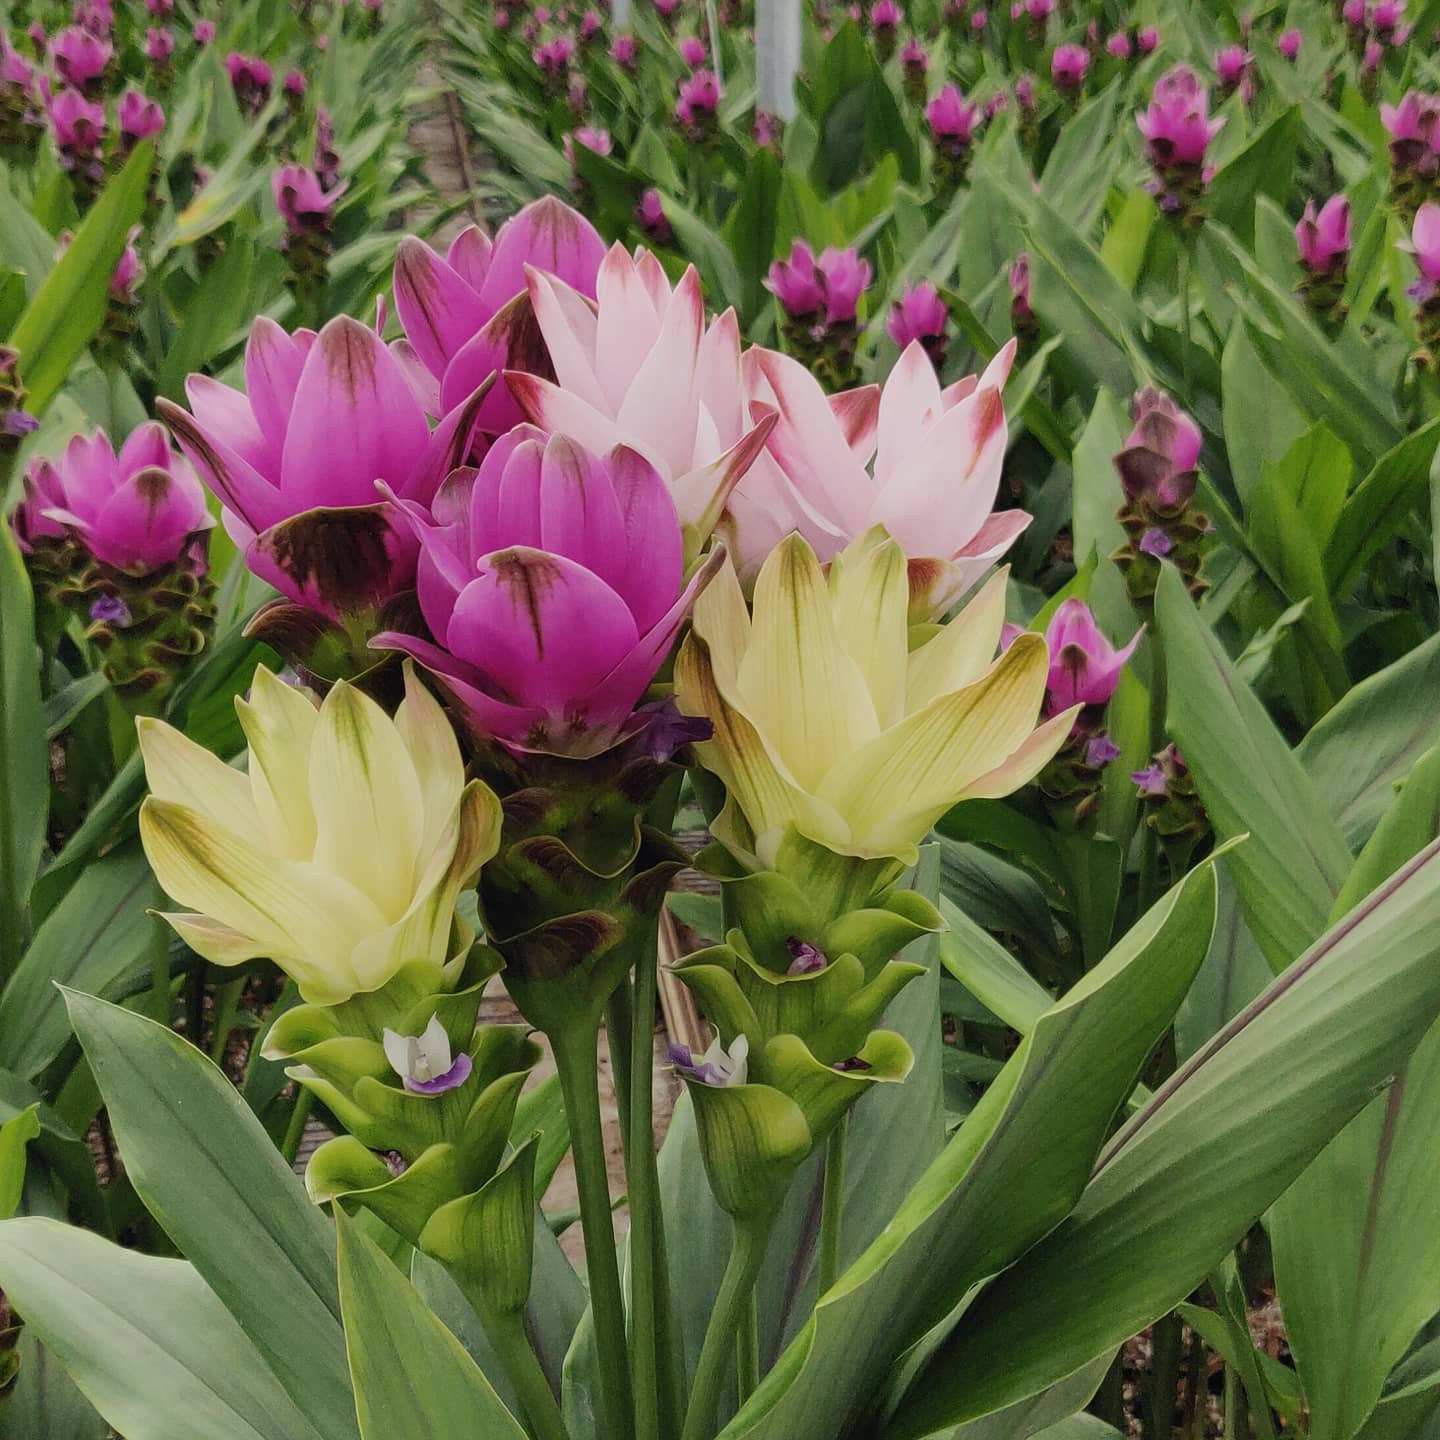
62,708
1375,512
1097,492
15,1134
150,1346
751,224
220,307
45,1401
413,1378
1007,1177
69,308
206,1169
543,1108
1291,870
1266,166
1077,173
24,758
92,940
1159,1214
1261,420
990,972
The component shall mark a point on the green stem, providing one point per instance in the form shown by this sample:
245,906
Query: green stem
1185,336
290,1146
619,1022
227,1006
1150,851
747,1348
512,1346
832,1206
734,1298
574,1051
649,1278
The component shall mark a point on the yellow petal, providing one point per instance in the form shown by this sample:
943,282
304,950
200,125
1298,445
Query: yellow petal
722,620
802,692
429,738
366,797
287,909
185,773
869,581
1022,765
893,789
279,722
962,651
218,943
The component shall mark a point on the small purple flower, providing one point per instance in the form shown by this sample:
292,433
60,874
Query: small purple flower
663,730
423,1062
1151,780
18,422
1100,751
806,959
853,1063
717,1066
1157,543
110,610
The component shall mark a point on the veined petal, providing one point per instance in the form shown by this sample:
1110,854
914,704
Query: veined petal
438,308
279,722
548,235
857,412
242,489
963,650
273,362
427,735
701,494
1023,764
184,773
545,404
628,325
218,943
579,513
510,340
804,693
366,798
662,400
288,909
653,559
567,321
870,589
723,622
892,789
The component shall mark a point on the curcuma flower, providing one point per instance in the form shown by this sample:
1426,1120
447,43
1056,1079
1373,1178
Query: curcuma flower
1084,667
552,580
717,1066
339,856
136,511
937,455
295,461
828,724
467,315
424,1062
640,368
1323,239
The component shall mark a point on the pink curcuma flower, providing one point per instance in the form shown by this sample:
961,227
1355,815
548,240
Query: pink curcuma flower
552,579
1230,64
1177,126
693,52
159,45
79,57
128,271
919,314
1069,66
650,217
1425,246
885,15
136,511
303,203
625,51
698,102
78,124
204,32
952,119
294,83
1289,43
843,277
140,117
1323,239
1147,40
1018,279
920,460
1118,46
641,368
16,72
250,79
468,316
796,283
913,56
296,460
1414,122
1158,463
1085,668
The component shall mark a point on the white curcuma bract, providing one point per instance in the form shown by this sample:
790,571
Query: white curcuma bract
339,856
937,456
828,721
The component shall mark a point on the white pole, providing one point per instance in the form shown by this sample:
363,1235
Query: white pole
620,13
777,56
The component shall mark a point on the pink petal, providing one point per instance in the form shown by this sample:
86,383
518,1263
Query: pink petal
517,504
628,325
547,235
148,444
145,522
579,513
702,494
242,489
510,341
454,441
273,362
653,546
355,421
226,415
557,411
425,385
469,256
719,380
858,413
568,323
437,307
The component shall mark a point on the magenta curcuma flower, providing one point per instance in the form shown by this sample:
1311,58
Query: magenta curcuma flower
831,284
952,120
204,32
625,51
552,580
693,52
296,460
796,283
79,57
137,511
1230,64
140,117
919,314
1289,43
1069,66
294,83
250,79
1177,126
1084,667
1118,46
303,203
1425,246
128,271
1161,453
885,15
1323,239
1147,40
159,45
16,72
698,102
78,125
650,217
468,316
843,277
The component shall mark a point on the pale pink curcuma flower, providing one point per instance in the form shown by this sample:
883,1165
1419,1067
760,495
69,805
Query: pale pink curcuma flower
553,580
296,459
1424,244
467,314
640,367
136,511
1323,239
920,460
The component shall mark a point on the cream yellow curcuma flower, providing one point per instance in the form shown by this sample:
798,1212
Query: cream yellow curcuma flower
834,716
340,854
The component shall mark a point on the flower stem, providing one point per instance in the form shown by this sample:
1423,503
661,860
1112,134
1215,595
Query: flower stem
1185,336
290,1146
735,1297
747,1347
574,1050
512,1346
832,1206
652,1352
